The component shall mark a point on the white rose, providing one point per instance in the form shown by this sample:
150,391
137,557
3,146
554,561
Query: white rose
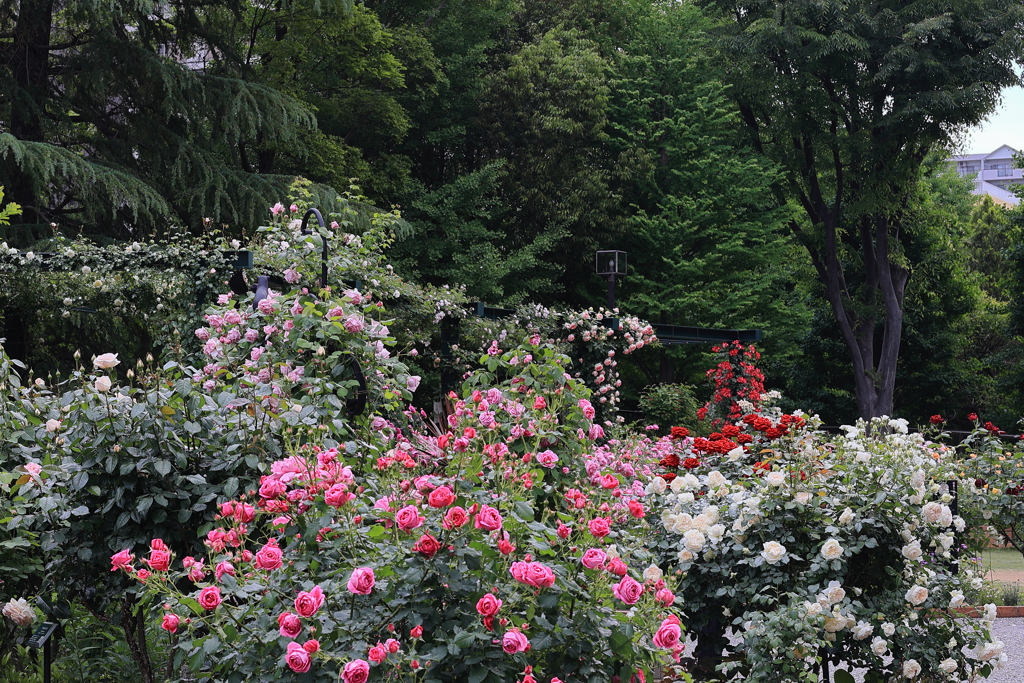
946,517
685,498
668,519
956,598
990,612
694,540
862,630
716,479
711,513
715,533
863,456
948,666
911,668
879,646
775,478
701,522
103,384
19,612
813,608
657,486
691,481
952,644
678,485
831,549
802,497
773,552
912,551
52,425
653,573
106,361
916,595
958,523
847,516
917,480
736,453
888,629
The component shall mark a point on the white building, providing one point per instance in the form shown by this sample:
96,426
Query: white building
993,174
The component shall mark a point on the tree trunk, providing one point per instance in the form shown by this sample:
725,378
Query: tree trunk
29,62
134,626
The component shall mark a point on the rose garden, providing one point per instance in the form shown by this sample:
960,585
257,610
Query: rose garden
274,500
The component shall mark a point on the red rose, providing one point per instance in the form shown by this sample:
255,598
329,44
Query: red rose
636,508
416,632
427,546
680,432
488,605
935,419
617,566
691,463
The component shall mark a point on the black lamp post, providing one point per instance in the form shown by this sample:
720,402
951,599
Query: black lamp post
323,236
611,264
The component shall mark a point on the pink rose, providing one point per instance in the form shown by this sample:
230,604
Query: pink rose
600,526
547,458
223,568
122,560
514,641
667,636
272,488
665,597
170,622
361,582
269,556
337,495
307,603
289,625
488,605
441,497
617,567
244,513
377,654
291,276
455,518
33,468
209,598
628,590
297,658
354,323
356,671
413,383
408,518
311,646
594,558
488,519
533,574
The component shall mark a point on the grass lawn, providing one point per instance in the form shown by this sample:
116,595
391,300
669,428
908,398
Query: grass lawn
1003,560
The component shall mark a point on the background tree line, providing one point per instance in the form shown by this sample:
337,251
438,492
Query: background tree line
519,136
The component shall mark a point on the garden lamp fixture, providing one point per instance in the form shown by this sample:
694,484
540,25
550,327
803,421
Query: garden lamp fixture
611,264
303,229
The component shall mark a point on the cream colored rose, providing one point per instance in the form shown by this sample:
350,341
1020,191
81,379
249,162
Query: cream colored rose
52,425
657,486
831,549
813,608
912,550
888,629
956,599
694,540
948,666
20,612
701,522
711,513
932,512
916,595
685,556
835,624
653,573
879,646
773,552
802,497
989,650
678,485
911,668
684,523
106,361
862,630
834,592
691,482
103,384
775,478
847,516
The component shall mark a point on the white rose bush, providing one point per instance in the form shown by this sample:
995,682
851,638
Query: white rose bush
817,549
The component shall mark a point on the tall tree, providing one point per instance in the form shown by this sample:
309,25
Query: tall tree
849,98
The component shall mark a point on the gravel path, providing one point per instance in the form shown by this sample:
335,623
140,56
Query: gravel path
1010,631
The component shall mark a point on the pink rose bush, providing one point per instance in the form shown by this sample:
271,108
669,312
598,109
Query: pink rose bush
401,549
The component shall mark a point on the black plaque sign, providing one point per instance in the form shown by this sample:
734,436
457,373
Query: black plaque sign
42,634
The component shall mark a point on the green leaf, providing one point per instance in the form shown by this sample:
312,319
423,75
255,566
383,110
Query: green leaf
162,467
464,638
843,676
478,674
